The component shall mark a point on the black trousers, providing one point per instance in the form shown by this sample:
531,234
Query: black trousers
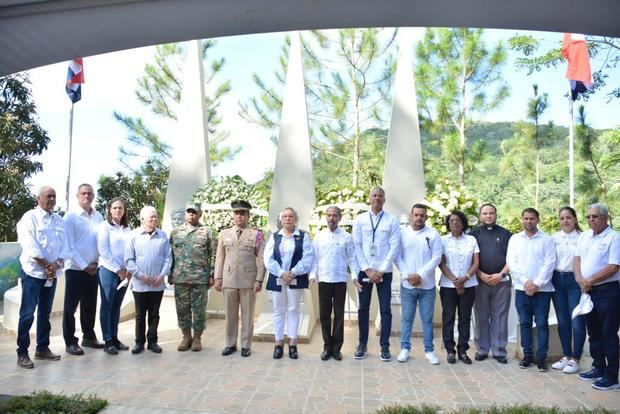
451,302
332,297
147,310
80,288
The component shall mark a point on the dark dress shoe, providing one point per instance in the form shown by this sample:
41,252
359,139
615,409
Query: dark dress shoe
451,358
526,362
119,345
25,362
110,349
501,359
292,352
137,349
278,352
92,343
246,352
463,357
229,350
385,355
325,355
542,366
47,355
337,356
74,349
480,357
154,348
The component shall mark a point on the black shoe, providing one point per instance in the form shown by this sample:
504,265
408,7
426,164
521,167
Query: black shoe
480,357
74,349
501,359
337,355
154,348
325,355
526,362
385,355
542,366
47,355
137,348
361,352
229,350
119,345
110,348
278,352
451,358
463,357
292,352
25,362
246,352
92,343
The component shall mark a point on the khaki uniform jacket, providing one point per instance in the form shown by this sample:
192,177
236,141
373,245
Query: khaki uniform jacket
239,263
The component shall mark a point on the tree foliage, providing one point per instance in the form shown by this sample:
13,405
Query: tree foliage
348,75
21,138
457,78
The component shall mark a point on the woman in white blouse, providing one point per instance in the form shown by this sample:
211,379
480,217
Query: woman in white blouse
288,257
111,245
459,264
567,293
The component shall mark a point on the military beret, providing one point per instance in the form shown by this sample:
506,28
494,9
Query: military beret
241,205
192,206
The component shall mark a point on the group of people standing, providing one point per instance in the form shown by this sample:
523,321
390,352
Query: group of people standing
478,270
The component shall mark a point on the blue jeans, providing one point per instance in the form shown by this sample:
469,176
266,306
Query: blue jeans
603,324
111,300
565,298
409,298
534,308
384,292
34,294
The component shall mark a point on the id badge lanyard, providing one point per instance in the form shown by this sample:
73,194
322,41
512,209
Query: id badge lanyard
373,246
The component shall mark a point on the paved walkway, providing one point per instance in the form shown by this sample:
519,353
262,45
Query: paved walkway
206,382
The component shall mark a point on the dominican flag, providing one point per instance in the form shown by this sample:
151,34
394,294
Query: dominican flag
75,79
578,72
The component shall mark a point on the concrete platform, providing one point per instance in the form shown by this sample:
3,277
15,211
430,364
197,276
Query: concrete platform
206,382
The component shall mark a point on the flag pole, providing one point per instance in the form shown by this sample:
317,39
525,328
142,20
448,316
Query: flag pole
571,152
70,152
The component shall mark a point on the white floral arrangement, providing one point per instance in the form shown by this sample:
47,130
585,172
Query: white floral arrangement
448,197
222,192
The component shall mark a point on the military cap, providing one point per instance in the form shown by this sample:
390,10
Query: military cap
241,205
193,206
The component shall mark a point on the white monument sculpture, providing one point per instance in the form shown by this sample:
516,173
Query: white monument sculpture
293,182
190,165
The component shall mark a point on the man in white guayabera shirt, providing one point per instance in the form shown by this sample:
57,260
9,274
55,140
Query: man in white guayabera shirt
531,259
148,257
41,234
419,256
597,271
376,235
81,284
333,253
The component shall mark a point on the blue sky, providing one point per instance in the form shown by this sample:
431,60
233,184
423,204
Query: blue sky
111,80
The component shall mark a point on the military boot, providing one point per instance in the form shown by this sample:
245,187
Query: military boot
196,342
186,343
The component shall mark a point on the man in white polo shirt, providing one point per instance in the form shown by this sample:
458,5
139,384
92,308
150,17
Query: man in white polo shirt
597,271
531,258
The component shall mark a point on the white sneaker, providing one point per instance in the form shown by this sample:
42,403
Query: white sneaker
432,358
572,367
403,356
561,364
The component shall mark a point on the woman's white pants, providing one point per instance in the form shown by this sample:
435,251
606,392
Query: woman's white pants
286,312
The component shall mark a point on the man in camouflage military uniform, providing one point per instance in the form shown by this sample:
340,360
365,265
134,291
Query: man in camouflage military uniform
239,272
191,274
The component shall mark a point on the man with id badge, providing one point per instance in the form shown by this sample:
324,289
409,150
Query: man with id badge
376,236
41,233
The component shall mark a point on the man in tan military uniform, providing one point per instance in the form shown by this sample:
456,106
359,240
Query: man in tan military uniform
191,274
239,272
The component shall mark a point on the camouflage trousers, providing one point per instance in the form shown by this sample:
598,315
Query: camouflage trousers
191,304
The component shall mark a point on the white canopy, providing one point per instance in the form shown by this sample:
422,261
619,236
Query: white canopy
40,32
